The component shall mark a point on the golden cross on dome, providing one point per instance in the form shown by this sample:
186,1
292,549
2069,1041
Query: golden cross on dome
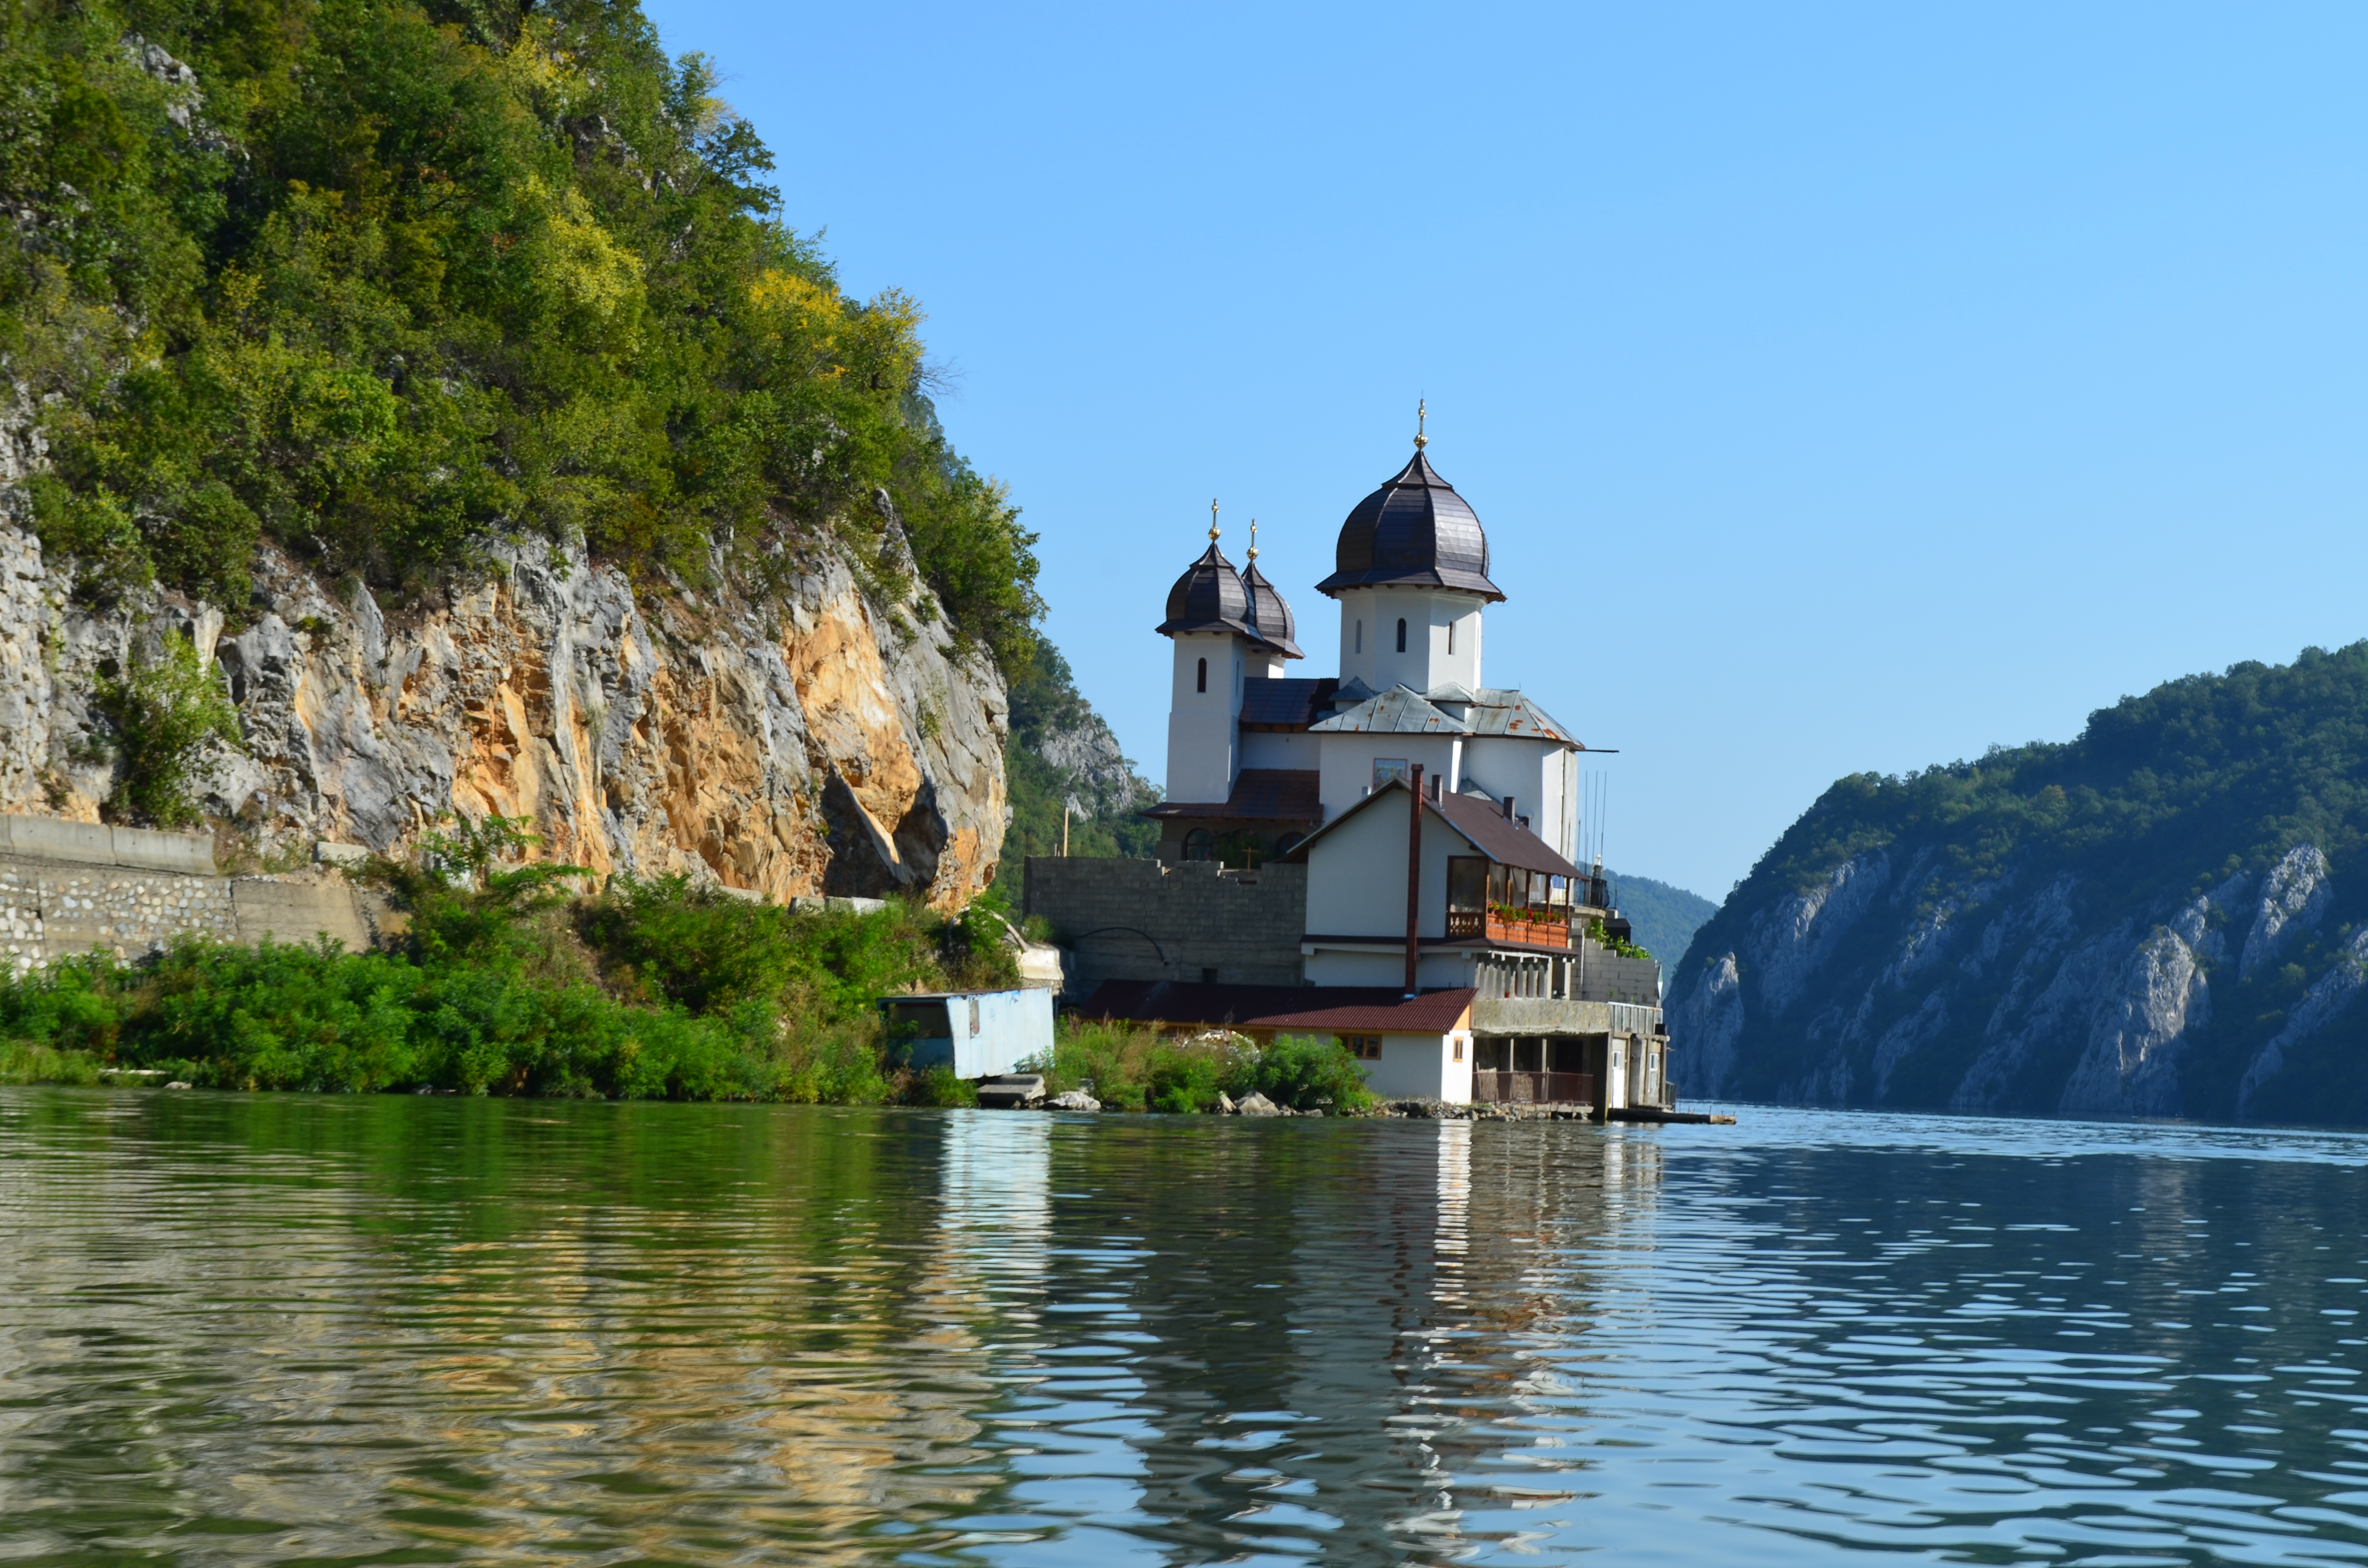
1213,519
1421,410
1253,539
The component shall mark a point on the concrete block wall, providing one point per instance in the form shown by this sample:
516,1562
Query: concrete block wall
1610,977
1240,929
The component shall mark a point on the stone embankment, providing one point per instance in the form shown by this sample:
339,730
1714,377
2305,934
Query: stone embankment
68,888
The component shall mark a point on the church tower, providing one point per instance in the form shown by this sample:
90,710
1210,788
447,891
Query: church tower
1227,628
1412,578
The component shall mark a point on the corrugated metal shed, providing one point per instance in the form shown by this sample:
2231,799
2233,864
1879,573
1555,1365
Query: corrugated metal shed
979,1034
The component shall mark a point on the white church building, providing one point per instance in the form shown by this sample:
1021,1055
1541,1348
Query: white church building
1423,824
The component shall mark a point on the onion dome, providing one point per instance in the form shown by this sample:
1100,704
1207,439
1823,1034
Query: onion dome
1210,597
1270,614
1416,531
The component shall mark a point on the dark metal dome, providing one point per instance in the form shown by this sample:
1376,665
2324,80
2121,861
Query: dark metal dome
1415,531
1269,613
1210,597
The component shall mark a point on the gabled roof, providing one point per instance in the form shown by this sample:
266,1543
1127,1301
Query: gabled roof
1260,795
1316,1009
1484,826
1477,823
1397,712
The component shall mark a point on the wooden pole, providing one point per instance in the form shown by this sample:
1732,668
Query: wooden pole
1413,874
1065,830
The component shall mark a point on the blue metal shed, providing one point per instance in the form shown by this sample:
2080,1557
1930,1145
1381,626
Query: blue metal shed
979,1034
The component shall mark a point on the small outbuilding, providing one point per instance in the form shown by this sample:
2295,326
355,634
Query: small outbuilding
979,1034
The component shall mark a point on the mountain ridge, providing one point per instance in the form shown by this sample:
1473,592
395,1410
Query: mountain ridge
2163,916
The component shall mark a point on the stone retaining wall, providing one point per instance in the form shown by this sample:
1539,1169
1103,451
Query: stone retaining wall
68,888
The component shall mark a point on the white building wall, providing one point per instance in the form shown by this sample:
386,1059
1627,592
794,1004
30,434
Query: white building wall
1203,728
1348,765
1266,748
1539,775
1356,877
1424,1066
1369,651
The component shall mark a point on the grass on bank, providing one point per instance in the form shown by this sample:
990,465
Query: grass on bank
509,983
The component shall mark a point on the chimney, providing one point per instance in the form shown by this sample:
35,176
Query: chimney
1413,876
1509,808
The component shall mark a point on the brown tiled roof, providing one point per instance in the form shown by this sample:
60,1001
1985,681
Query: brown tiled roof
1482,826
1316,1009
1506,843
1260,795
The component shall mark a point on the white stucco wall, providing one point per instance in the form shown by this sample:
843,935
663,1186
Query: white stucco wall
1266,748
1428,612
1203,734
1539,775
1423,1066
1347,767
1356,875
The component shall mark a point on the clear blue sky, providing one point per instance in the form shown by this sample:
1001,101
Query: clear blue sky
1842,387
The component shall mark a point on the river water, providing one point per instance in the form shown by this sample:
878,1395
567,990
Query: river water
264,1328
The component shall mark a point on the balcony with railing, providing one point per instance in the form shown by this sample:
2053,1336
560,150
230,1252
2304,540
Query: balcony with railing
1518,929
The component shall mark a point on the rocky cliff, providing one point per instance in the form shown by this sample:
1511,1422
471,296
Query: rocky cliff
2168,916
824,743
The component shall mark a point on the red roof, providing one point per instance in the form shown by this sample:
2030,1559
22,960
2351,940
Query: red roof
1311,1009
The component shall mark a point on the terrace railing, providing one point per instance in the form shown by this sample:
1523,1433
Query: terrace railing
1534,1088
1466,925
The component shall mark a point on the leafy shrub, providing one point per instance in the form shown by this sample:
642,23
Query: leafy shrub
1305,1074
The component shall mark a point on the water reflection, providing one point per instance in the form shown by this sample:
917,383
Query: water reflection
251,1328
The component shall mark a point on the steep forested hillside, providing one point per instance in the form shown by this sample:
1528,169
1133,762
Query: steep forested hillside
1062,753
1665,917
2167,915
381,282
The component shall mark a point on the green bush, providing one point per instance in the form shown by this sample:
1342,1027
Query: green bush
510,984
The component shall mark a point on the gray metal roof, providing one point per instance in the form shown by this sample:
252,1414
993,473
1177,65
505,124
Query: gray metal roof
1492,711
1397,712
1414,529
1210,597
1498,711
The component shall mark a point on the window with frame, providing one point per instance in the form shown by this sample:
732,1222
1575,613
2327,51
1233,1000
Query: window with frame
1364,1046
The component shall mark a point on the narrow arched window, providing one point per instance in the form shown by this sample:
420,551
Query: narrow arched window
1401,634
1200,845
1360,637
1450,637
1205,676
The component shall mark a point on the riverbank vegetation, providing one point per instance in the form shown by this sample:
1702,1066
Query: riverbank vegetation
508,980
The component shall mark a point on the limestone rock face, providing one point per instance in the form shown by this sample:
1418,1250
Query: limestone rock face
1986,994
817,742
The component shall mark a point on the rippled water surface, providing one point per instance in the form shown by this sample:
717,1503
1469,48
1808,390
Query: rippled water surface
257,1328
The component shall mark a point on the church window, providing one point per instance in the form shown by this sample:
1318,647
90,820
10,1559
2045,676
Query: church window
1401,634
1450,637
1205,676
1200,845
1360,637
